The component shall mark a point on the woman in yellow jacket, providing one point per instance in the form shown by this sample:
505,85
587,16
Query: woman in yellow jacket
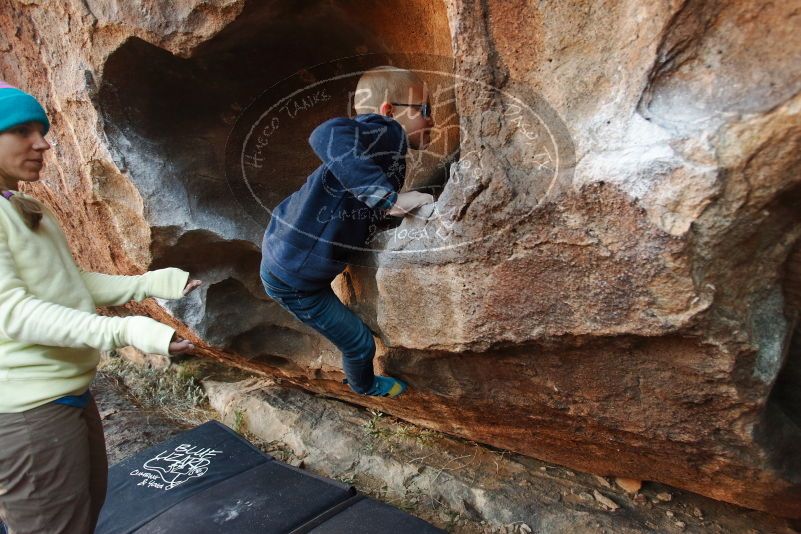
53,466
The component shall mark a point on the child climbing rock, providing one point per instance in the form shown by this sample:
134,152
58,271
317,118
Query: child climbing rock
313,232
53,466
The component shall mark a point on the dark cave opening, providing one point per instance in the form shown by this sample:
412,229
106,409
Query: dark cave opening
786,391
172,122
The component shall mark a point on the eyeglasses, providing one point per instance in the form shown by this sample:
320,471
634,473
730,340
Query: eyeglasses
425,109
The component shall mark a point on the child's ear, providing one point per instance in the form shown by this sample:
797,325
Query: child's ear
385,109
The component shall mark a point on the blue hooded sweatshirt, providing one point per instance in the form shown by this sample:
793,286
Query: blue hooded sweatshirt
314,231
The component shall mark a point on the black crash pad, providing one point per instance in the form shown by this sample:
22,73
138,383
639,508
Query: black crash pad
211,480
153,481
368,516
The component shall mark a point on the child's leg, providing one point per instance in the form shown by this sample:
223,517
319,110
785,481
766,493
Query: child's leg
324,312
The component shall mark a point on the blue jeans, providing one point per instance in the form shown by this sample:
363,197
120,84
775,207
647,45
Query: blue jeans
326,314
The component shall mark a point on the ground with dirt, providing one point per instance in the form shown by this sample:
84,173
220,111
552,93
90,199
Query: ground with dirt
457,485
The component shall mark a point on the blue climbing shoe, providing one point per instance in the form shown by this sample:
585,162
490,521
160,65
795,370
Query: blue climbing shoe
386,386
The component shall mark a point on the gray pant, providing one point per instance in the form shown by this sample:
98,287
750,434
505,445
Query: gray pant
53,469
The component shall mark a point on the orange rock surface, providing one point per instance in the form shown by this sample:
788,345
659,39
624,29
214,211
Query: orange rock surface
604,281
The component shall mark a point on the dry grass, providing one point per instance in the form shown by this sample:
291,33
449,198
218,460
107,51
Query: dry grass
174,391
390,430
177,393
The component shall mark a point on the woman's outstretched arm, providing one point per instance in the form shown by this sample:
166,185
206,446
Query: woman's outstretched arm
113,290
24,317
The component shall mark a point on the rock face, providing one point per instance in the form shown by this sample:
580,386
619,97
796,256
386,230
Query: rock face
609,279
435,475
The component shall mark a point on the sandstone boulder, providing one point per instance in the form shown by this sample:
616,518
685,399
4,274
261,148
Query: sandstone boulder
609,279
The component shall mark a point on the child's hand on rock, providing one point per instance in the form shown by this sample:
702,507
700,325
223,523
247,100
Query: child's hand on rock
408,202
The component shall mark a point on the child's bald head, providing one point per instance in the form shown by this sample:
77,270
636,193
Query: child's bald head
384,84
400,94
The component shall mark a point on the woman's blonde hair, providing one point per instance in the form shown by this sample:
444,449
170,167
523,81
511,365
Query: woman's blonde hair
29,209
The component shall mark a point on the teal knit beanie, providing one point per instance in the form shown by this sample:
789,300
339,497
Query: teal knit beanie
18,107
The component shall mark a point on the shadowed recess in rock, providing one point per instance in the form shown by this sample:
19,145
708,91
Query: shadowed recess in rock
169,118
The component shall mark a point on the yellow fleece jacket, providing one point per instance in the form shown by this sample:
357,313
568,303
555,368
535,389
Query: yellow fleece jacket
50,332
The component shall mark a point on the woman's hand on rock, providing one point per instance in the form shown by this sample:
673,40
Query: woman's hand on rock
191,286
180,346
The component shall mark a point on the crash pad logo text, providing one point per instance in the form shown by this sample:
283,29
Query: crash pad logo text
169,469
